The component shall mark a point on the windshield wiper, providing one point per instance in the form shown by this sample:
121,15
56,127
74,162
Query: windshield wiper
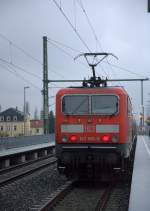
81,103
114,113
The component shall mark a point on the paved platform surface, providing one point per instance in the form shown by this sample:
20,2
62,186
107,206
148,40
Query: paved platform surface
24,141
140,188
18,150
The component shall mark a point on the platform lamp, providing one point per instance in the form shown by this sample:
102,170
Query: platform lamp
25,87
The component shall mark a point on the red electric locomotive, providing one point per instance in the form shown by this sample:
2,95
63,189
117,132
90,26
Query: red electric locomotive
94,128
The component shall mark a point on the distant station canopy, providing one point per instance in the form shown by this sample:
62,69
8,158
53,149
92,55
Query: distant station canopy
148,5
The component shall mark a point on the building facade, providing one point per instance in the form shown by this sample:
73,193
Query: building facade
36,127
12,123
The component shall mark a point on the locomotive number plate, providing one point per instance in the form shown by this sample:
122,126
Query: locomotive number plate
89,128
91,138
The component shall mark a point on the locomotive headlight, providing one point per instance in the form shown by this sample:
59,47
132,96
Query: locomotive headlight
73,138
64,139
105,138
115,139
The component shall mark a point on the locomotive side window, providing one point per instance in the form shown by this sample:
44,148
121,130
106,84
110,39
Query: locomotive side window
75,104
104,104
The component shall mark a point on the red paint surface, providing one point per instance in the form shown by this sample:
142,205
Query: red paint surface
89,135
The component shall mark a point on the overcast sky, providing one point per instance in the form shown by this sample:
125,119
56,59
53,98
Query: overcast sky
121,26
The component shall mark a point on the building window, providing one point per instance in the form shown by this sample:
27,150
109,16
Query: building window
8,128
37,130
1,118
1,128
15,118
8,118
15,127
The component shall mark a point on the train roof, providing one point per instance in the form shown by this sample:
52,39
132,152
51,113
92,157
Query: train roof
87,90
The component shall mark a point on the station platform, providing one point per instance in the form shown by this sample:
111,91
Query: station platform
15,156
18,150
24,141
140,187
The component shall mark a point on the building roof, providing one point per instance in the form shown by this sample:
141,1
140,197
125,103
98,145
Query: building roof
12,112
36,124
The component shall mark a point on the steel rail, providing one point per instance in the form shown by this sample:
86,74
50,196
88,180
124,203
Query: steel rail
25,173
50,202
101,205
57,196
26,163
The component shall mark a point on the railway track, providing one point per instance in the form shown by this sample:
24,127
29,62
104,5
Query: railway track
10,175
13,167
72,196
101,205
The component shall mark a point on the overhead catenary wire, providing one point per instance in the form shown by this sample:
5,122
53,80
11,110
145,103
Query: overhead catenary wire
99,43
74,29
10,51
92,29
69,47
20,68
71,25
11,70
89,22
126,70
65,52
56,43
94,32
12,65
57,73
26,71
64,45
21,77
75,15
60,48
21,49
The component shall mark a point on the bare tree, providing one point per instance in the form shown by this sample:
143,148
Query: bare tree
27,108
51,122
36,116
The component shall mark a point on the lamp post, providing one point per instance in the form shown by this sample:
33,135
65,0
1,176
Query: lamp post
25,87
142,106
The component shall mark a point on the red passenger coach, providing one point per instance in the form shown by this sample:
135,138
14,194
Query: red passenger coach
93,125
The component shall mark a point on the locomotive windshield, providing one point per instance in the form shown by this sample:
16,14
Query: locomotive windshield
75,104
90,104
104,104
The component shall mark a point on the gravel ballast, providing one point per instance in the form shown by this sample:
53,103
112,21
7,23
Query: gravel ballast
30,190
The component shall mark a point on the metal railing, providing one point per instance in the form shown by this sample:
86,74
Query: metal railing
16,142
